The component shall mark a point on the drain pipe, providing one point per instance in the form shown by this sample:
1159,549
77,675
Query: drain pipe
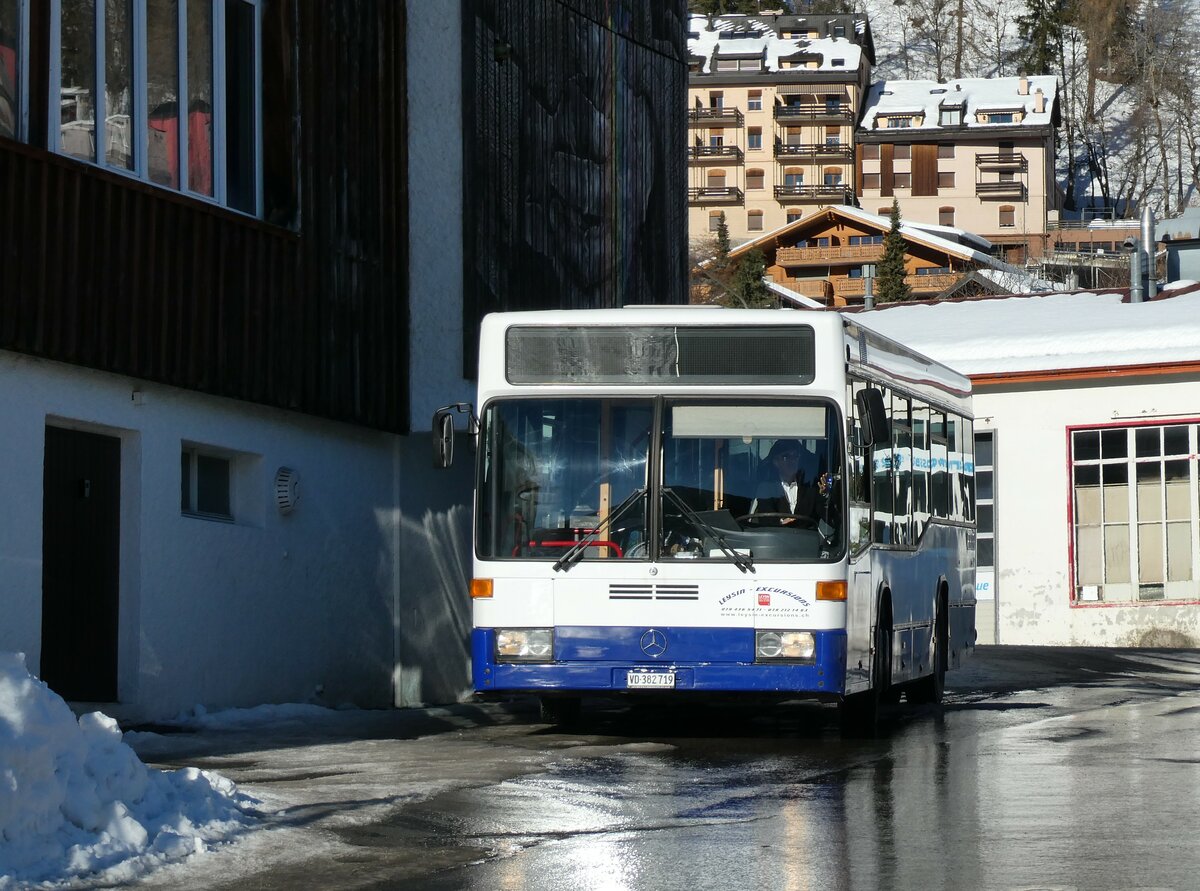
869,286
1148,245
1135,270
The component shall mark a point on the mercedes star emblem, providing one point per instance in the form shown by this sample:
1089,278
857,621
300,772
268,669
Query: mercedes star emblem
654,642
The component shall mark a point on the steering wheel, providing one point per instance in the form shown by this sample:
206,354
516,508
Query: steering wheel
801,521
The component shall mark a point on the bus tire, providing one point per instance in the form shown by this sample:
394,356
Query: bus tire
931,689
859,713
561,710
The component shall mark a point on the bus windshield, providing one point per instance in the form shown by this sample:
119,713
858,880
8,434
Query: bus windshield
760,479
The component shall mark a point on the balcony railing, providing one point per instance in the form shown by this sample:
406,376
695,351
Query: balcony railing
731,117
715,195
813,151
823,256
816,288
936,283
716,152
835,192
814,113
1002,161
999,190
849,287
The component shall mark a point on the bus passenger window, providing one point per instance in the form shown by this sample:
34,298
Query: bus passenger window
938,460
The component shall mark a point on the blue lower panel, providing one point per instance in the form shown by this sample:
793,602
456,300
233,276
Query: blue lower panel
703,659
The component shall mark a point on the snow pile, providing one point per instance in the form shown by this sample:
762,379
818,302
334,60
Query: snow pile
75,800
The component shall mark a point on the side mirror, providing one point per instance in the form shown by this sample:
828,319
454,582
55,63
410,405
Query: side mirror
443,432
873,417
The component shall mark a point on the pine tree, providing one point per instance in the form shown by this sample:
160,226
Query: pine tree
1042,28
721,246
748,288
889,283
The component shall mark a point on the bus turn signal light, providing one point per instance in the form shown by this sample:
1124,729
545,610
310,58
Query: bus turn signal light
831,590
481,588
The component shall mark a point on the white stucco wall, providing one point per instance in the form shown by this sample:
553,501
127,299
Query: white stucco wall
1033,491
356,596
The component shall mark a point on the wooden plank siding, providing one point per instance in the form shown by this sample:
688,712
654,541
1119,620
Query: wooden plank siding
924,169
575,173
887,176
304,310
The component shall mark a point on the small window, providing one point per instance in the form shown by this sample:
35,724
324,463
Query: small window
903,181
204,484
945,151
717,100
899,123
714,221
754,220
750,65
902,152
950,117
833,177
945,179
793,214
884,211
793,178
933,270
871,181
754,138
945,216
716,138
833,104
1008,176
871,152
755,179
727,65
754,101
1008,217
1000,118
839,30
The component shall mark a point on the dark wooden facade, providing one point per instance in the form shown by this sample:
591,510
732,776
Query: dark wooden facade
575,163
306,309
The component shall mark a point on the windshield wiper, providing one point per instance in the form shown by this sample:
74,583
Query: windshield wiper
741,561
575,554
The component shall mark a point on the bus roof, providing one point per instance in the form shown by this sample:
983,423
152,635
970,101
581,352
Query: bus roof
868,352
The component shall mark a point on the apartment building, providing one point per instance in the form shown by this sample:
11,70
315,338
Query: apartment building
973,153
773,104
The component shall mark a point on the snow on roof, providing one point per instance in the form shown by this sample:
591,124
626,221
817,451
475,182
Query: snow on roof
927,234
792,297
78,802
776,47
1046,332
993,94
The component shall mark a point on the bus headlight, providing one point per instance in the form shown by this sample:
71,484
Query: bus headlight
525,644
784,645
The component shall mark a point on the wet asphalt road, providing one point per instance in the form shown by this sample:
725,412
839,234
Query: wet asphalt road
1045,769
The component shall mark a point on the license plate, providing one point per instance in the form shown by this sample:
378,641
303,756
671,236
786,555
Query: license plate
656,679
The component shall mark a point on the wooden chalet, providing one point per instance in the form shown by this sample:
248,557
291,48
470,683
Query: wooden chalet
822,256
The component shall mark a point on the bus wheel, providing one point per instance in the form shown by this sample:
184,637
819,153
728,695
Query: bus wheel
931,689
561,710
859,713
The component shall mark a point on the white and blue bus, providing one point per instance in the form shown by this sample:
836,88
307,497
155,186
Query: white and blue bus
696,501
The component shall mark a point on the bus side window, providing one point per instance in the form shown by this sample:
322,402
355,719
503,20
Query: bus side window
882,483
902,470
920,463
968,450
955,465
938,464
859,489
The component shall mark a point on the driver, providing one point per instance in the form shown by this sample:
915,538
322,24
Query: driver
786,490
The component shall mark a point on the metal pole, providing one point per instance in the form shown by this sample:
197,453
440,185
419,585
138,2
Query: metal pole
869,286
1148,243
1135,273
